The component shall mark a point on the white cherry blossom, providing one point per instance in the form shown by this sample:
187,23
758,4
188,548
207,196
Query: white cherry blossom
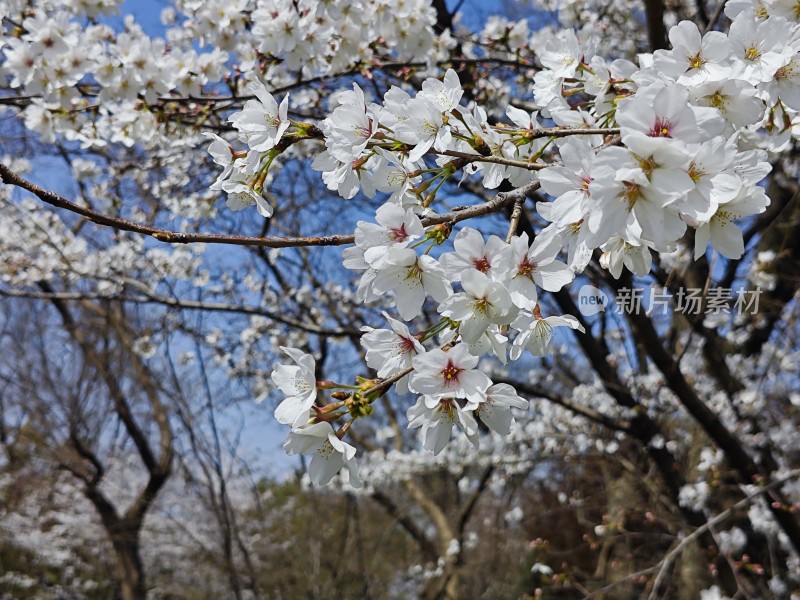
759,49
299,383
693,60
495,410
329,454
473,252
436,418
391,351
440,374
262,122
568,183
424,128
535,265
482,303
561,54
723,233
394,227
536,332
631,253
445,93
411,277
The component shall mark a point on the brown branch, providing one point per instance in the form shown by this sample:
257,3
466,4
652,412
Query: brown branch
176,237
123,530
702,15
163,235
498,160
717,13
516,213
121,405
440,521
163,468
84,452
233,101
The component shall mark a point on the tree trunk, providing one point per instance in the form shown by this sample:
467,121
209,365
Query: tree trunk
129,564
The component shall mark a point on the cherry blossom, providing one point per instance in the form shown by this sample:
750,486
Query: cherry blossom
535,265
394,227
568,183
735,99
759,49
299,383
693,60
562,54
720,230
424,128
483,302
633,254
329,454
537,331
471,251
623,151
436,418
409,276
262,122
390,351
495,410
350,126
661,113
438,374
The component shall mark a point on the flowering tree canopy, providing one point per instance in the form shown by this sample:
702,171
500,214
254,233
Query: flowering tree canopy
422,242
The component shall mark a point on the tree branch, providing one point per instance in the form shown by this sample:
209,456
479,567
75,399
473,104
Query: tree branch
177,237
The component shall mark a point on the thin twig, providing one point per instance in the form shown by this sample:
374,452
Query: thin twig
498,160
514,221
152,298
713,20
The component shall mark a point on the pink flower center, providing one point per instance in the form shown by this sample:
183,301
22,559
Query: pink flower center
450,372
398,234
407,345
661,128
482,264
364,132
526,267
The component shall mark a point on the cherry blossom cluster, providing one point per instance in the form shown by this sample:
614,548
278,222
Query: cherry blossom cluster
678,142
98,84
631,156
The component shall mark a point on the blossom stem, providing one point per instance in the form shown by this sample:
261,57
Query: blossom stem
342,431
435,329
